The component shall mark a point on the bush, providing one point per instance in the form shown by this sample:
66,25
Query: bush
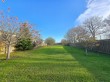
24,44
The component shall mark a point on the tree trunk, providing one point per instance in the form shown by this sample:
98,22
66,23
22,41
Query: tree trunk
8,51
94,37
86,51
5,50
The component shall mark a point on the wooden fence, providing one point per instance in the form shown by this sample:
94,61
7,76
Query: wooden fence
102,46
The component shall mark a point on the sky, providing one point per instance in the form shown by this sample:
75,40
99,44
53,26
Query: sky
95,8
53,18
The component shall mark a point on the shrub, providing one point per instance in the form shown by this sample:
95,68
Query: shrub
24,44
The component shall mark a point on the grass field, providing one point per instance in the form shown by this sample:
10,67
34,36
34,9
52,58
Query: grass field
55,64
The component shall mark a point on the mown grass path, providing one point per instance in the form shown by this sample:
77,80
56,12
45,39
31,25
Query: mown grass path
55,64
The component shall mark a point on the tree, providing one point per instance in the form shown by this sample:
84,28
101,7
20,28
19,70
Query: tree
81,37
29,37
71,36
87,43
64,42
76,34
12,31
50,41
3,1
9,29
25,30
80,33
38,42
94,25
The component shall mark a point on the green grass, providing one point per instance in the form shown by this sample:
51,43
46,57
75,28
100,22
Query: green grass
55,64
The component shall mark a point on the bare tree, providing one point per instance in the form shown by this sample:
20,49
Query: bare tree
64,42
82,37
26,31
9,29
71,36
81,33
76,34
94,25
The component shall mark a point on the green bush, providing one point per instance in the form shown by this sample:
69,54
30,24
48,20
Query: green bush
24,44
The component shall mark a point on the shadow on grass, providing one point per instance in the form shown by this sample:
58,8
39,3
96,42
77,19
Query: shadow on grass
97,64
4,59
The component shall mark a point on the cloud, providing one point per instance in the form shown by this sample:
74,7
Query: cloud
95,8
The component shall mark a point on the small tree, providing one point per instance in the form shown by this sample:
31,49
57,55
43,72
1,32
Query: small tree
50,41
88,43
